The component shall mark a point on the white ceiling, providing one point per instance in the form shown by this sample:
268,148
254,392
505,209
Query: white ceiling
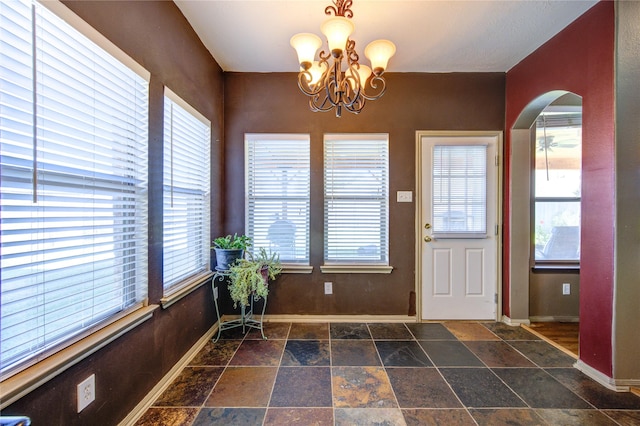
430,35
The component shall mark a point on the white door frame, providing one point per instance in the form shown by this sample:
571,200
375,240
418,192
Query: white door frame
418,215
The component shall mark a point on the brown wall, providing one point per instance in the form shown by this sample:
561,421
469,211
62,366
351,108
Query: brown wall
546,301
627,286
272,103
157,36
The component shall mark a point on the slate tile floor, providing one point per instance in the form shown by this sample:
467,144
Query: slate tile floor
450,373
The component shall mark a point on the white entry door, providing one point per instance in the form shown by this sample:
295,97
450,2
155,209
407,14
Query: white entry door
459,224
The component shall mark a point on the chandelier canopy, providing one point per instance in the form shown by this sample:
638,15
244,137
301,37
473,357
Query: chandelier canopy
331,82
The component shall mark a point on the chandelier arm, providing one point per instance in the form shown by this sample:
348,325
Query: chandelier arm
378,85
334,82
352,85
305,78
356,107
351,54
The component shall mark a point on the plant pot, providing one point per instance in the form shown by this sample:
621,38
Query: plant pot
226,257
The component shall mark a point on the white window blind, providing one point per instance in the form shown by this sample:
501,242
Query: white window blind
277,191
187,147
73,140
356,199
460,190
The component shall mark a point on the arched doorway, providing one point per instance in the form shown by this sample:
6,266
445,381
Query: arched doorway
545,211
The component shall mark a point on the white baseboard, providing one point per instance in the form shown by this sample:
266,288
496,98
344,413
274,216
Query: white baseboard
603,379
555,318
515,322
168,378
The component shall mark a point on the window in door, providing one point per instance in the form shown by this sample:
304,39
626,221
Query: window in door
557,181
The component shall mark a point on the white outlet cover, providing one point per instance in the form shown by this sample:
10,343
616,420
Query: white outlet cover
86,392
328,288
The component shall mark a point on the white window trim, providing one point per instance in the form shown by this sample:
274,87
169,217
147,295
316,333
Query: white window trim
190,284
187,287
302,267
351,266
356,269
16,383
94,35
25,381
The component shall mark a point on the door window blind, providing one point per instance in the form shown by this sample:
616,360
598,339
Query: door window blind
356,199
73,140
460,190
277,191
187,141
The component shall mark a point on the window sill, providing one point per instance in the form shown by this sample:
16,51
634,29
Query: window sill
292,268
356,269
563,267
189,286
20,384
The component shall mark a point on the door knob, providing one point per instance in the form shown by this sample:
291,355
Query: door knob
427,239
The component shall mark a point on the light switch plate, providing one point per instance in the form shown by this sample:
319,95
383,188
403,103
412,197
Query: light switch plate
404,196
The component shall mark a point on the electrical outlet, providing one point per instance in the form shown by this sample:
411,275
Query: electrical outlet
86,392
566,289
328,288
215,293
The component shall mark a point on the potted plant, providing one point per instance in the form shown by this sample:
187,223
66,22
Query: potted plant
229,249
249,277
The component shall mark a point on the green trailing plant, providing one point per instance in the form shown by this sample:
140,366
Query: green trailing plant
249,277
232,242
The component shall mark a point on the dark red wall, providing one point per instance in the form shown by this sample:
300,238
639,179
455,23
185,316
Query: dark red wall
580,59
256,103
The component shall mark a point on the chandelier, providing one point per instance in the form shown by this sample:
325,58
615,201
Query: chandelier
329,82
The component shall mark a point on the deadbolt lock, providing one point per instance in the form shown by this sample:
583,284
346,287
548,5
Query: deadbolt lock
427,226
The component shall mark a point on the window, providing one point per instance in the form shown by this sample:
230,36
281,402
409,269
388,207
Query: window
557,177
277,191
460,190
73,141
356,199
187,146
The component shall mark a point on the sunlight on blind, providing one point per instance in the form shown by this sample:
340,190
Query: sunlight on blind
460,189
187,141
277,191
73,135
356,199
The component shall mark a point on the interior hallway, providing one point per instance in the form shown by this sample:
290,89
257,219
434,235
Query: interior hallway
453,373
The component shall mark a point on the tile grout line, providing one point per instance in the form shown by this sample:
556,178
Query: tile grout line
273,386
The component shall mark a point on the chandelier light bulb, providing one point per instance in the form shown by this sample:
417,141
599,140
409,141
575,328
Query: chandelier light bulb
337,30
316,70
364,72
379,52
306,45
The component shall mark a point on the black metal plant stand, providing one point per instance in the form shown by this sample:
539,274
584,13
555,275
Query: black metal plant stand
247,318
